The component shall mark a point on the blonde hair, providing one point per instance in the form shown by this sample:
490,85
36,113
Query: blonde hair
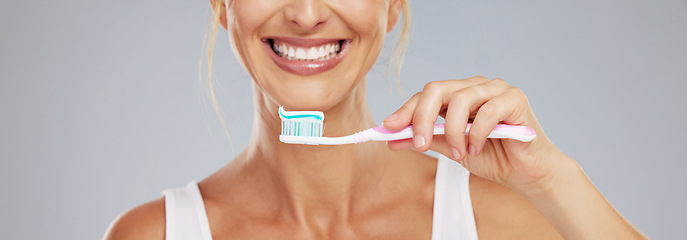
211,35
399,52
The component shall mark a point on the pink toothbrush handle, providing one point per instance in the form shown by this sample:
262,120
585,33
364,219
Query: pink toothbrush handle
503,131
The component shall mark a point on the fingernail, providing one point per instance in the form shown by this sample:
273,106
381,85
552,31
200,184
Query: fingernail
471,150
455,154
391,117
419,141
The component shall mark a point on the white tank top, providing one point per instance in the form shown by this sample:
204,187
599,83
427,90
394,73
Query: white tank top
453,218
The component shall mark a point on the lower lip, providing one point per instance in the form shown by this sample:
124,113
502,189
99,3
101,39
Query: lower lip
306,68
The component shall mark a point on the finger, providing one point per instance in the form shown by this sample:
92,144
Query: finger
488,116
461,104
456,121
403,116
441,145
435,96
427,112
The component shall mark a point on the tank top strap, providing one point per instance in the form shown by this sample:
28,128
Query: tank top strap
185,215
453,216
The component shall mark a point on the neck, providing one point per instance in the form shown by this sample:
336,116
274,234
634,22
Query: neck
316,180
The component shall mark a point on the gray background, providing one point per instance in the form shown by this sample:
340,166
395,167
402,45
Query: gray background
101,106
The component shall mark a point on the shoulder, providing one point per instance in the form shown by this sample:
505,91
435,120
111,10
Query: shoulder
146,221
501,213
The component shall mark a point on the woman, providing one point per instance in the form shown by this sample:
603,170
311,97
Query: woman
315,55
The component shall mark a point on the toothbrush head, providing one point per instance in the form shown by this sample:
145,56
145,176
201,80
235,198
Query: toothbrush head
301,123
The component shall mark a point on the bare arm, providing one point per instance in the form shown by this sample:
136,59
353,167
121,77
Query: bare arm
501,213
576,208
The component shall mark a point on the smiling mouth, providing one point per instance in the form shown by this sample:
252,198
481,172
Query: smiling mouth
306,56
320,52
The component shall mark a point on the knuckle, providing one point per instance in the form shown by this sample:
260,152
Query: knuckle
458,96
460,99
516,91
479,79
432,86
474,92
489,109
482,78
500,82
467,96
480,92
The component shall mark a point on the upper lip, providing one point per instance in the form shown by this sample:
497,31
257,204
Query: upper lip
304,42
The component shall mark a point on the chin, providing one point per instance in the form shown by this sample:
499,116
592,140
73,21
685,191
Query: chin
299,95
307,102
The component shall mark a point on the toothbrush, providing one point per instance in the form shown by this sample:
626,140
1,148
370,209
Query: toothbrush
305,127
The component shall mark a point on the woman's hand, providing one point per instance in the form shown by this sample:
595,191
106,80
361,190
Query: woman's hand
552,182
518,165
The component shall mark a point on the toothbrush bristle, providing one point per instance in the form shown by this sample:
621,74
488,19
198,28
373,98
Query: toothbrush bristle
298,128
301,123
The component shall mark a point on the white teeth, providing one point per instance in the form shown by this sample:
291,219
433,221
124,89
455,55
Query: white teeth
291,53
300,53
312,53
321,53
